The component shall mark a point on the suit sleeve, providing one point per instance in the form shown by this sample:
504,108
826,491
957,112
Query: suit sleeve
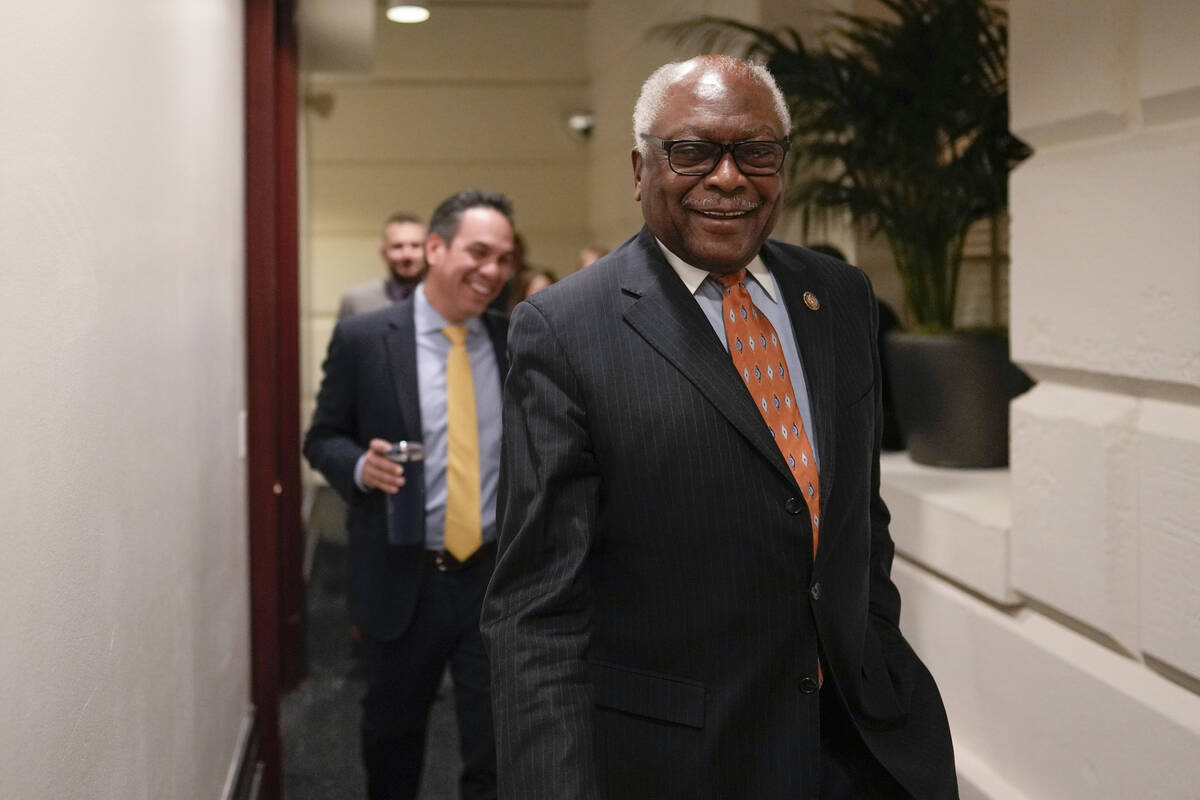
536,615
331,444
885,598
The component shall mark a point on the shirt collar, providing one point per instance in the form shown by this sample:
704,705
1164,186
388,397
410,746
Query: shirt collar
693,277
426,319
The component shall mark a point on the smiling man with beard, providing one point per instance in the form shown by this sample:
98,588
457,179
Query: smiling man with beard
426,369
692,598
403,251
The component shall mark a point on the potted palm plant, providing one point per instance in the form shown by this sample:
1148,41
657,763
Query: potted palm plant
900,122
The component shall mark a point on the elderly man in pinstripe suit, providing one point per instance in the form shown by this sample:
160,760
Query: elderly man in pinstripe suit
692,599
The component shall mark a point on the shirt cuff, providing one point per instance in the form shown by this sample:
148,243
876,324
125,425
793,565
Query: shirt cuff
358,471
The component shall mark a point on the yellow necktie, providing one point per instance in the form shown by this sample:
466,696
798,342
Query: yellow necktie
758,356
464,527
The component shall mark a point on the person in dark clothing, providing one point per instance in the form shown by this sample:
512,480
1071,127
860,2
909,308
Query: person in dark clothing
893,434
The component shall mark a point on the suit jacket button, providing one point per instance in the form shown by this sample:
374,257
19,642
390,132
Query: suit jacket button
795,505
808,685
815,591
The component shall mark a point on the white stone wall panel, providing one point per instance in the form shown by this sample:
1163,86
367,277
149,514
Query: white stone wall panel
1106,257
1040,711
1169,462
953,521
1168,29
1074,538
1096,94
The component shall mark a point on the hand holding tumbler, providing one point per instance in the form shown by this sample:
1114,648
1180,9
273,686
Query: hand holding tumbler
406,508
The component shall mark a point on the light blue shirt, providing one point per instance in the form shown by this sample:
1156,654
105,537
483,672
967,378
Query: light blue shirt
432,350
764,291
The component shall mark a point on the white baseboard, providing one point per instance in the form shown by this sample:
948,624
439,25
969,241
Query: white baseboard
244,776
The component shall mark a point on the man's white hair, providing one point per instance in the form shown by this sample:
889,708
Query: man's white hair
650,101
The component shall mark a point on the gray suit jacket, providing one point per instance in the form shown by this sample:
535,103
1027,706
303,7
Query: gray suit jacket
655,618
365,298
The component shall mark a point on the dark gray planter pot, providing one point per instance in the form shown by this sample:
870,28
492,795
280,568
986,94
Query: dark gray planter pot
952,393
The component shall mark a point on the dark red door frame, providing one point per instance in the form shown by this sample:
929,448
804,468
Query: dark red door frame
272,372
287,295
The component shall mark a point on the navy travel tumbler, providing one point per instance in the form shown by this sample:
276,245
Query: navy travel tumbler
406,508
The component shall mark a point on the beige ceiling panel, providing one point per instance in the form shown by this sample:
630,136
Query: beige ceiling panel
422,123
336,35
511,3
614,213
555,250
340,262
610,34
352,199
613,97
477,42
617,43
624,49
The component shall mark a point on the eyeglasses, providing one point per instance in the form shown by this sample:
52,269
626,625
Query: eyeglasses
696,157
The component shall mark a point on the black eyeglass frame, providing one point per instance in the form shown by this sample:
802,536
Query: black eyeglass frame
668,144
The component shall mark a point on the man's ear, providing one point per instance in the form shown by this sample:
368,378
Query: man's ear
638,163
435,248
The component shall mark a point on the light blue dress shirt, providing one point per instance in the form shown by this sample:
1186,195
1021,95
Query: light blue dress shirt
432,350
764,291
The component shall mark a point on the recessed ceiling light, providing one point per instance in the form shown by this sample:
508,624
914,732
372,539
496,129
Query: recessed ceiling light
406,11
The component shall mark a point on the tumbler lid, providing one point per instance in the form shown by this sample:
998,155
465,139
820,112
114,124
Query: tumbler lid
407,451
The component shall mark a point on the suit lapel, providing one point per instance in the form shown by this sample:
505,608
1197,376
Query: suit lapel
400,340
497,328
669,319
813,330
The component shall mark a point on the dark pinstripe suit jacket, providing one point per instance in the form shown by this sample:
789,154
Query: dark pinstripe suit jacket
370,391
654,620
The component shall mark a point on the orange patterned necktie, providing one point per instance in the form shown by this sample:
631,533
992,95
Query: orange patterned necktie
758,355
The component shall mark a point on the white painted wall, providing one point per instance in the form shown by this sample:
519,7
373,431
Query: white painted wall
1106,308
1071,668
123,577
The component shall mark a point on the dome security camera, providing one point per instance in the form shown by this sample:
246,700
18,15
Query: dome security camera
581,124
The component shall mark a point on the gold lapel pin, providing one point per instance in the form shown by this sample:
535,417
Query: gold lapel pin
811,301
